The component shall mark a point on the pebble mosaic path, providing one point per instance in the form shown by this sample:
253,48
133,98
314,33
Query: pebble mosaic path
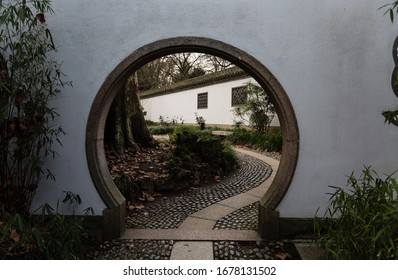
171,212
175,212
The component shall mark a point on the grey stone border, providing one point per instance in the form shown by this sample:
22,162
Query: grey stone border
113,224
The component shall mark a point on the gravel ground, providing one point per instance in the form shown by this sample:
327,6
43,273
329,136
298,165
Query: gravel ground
134,250
245,218
170,211
233,250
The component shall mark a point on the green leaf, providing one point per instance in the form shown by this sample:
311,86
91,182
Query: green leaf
37,235
49,36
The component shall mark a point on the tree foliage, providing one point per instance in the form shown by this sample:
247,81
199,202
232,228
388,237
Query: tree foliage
29,79
177,67
391,9
257,111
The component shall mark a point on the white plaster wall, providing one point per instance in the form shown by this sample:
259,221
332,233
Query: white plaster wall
183,105
333,58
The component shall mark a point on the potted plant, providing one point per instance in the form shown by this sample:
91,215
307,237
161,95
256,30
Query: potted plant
201,122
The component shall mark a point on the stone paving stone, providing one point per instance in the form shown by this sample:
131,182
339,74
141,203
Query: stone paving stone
192,250
310,251
239,201
197,223
257,192
190,235
214,212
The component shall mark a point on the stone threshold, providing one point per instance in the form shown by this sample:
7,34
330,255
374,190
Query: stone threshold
191,235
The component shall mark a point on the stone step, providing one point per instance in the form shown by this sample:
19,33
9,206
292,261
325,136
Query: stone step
192,250
221,132
191,235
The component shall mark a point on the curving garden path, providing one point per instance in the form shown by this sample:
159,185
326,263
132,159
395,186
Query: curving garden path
231,214
218,221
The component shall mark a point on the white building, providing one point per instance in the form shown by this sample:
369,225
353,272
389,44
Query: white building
213,97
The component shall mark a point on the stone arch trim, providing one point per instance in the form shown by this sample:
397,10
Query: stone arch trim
113,224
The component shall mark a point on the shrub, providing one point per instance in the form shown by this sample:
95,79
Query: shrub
258,110
29,79
49,235
228,157
271,141
189,129
200,156
240,137
160,129
362,222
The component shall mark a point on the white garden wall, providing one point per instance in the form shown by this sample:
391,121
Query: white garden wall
333,58
183,105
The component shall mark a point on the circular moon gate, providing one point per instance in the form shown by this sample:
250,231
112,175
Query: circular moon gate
113,216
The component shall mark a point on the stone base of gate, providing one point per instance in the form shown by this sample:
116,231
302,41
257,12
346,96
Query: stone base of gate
273,227
111,225
114,222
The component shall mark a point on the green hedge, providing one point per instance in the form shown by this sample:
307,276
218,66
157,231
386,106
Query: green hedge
271,141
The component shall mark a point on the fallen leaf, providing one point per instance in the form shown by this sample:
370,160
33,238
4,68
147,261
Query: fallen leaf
151,175
14,235
283,256
136,207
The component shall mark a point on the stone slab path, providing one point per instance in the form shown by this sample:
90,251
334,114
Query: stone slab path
195,234
214,222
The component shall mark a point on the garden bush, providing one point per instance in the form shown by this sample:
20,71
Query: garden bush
205,148
29,80
48,235
199,156
189,129
362,221
271,142
161,129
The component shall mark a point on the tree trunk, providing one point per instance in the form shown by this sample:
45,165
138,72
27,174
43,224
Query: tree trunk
125,124
4,94
118,133
141,132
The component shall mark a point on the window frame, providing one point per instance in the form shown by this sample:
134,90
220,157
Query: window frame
200,100
235,104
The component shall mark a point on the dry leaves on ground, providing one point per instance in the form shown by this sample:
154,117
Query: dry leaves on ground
145,163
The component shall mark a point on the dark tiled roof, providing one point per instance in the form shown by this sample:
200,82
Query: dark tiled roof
225,75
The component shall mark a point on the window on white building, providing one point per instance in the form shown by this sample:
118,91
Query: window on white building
202,100
238,96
